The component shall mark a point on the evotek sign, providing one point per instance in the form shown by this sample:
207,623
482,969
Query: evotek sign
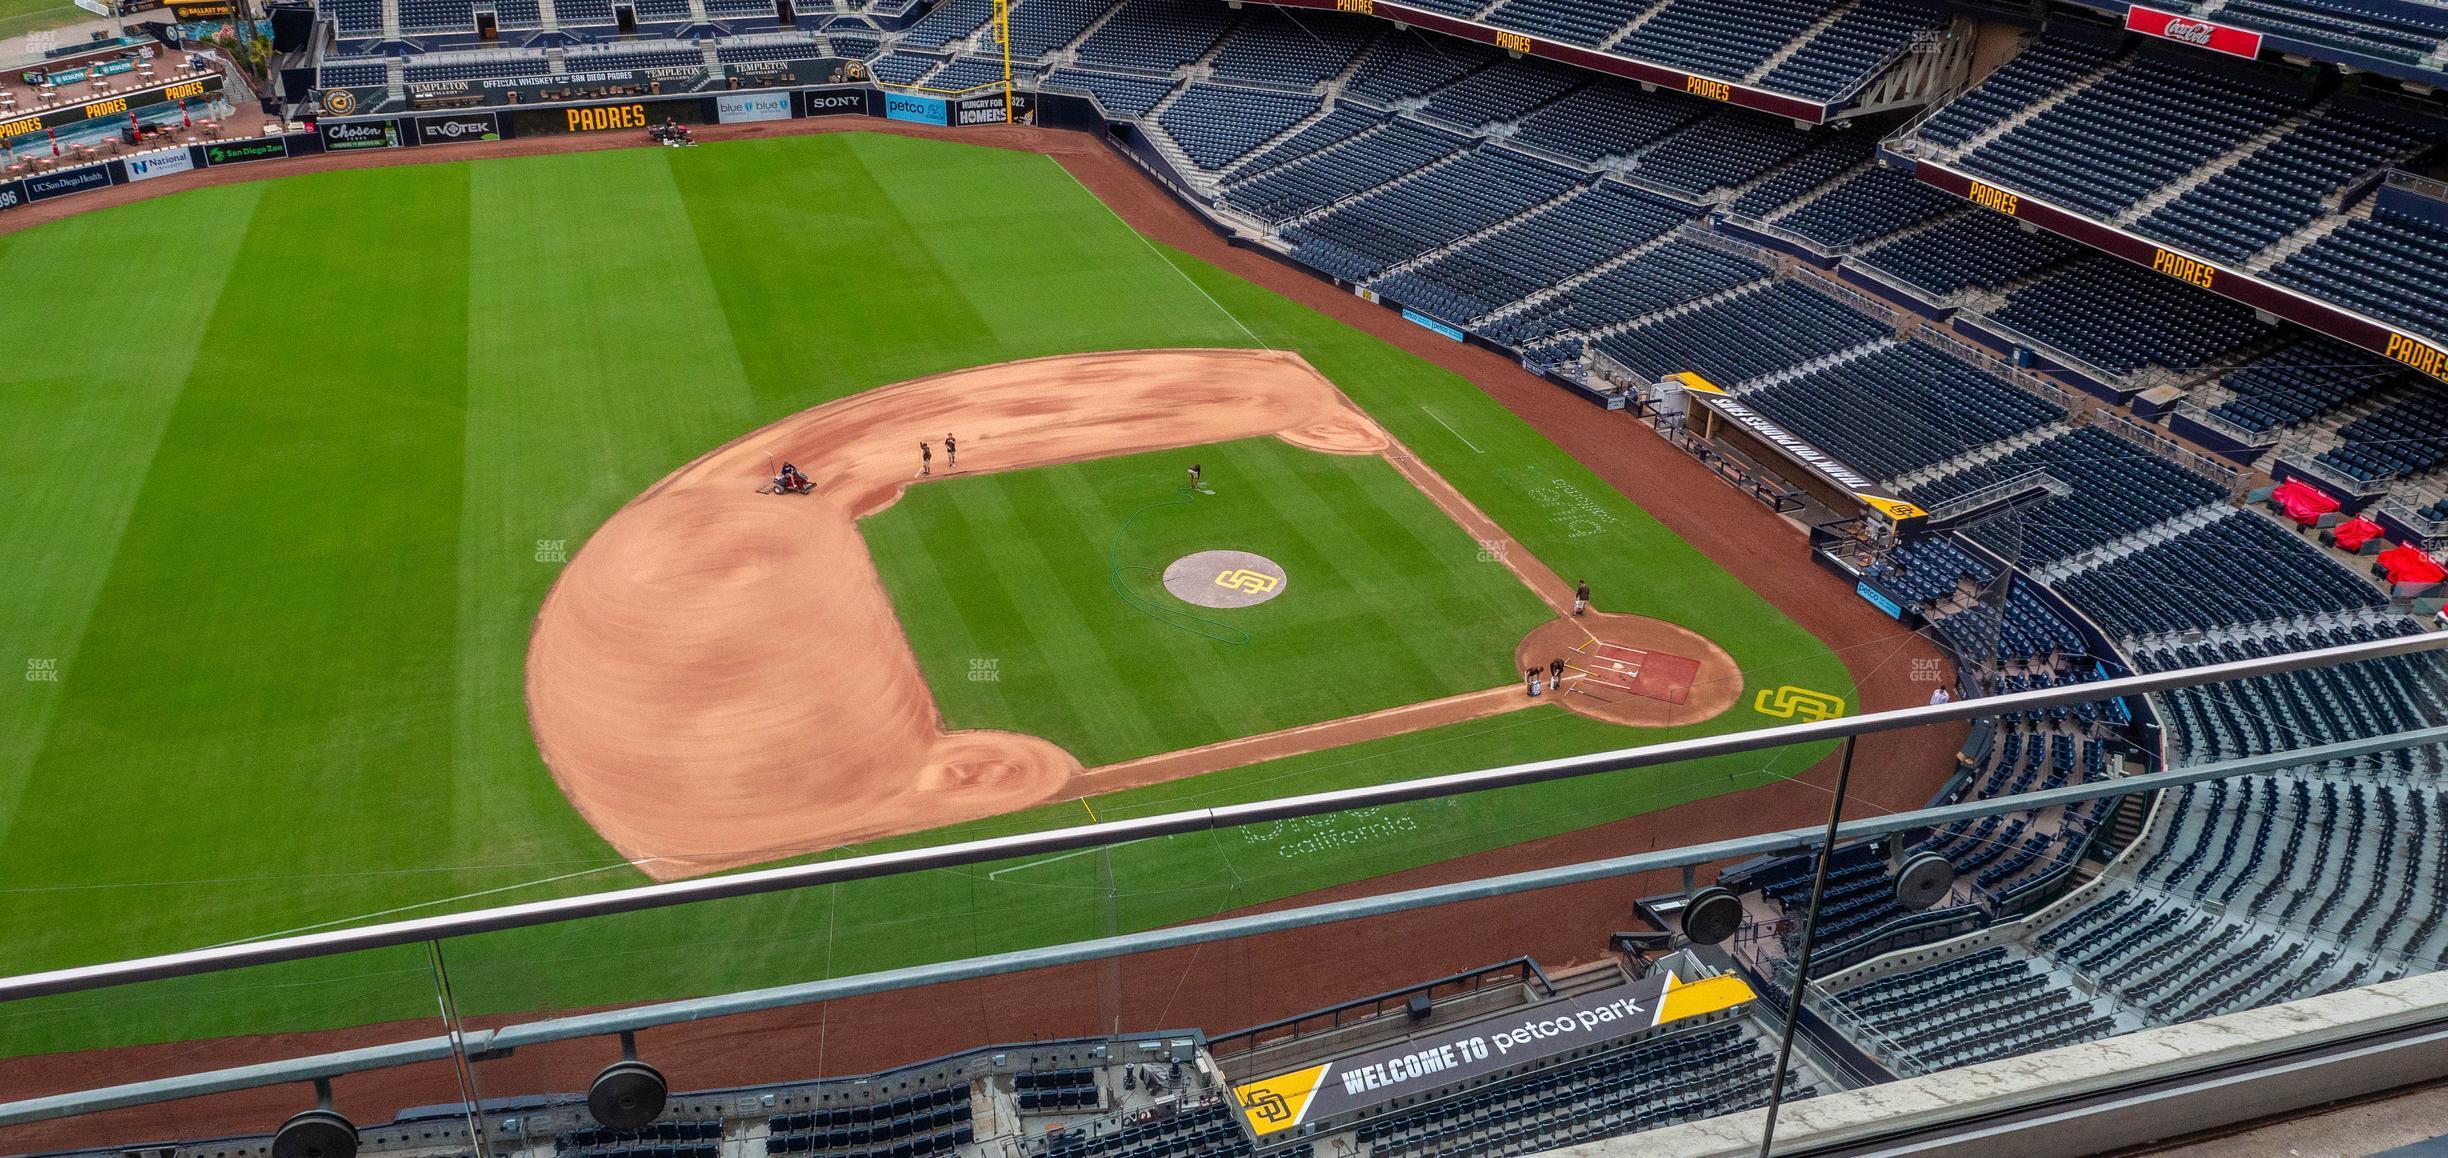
341,138
1463,1053
160,163
2198,33
454,129
740,107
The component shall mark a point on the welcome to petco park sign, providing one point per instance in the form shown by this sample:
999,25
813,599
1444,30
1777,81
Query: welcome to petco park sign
1466,1053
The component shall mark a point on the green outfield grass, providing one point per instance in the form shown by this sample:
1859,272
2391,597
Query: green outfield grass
280,523
1388,602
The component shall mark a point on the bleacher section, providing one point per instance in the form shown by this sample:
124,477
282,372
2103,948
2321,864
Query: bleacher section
1532,254
1216,125
2162,322
1719,340
2119,489
2386,265
1968,251
1899,408
1435,207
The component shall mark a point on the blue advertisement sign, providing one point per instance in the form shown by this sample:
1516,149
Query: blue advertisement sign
901,106
1419,319
1878,599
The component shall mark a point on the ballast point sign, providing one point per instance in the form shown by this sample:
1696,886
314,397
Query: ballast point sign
1467,1052
2199,33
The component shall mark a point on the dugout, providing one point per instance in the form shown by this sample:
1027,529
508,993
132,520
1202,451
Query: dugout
1697,414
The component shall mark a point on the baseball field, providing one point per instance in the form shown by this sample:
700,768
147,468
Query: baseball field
355,533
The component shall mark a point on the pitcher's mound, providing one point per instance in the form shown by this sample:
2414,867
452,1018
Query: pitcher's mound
1224,579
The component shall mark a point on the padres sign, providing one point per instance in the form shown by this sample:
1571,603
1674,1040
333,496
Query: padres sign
1793,703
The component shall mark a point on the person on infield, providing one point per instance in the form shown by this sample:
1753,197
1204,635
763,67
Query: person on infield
951,453
926,458
1533,676
1555,674
1580,596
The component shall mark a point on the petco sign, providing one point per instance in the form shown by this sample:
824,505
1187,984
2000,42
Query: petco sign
160,163
2198,33
737,108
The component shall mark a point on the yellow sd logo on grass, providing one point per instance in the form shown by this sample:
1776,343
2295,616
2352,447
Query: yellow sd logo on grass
1790,702
1244,579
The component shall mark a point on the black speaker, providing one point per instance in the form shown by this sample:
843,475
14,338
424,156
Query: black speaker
627,1095
292,27
316,1134
1923,881
1712,916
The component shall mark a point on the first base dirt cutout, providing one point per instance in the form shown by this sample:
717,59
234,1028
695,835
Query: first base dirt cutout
1224,579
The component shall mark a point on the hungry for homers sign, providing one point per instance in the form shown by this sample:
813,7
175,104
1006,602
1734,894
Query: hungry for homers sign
1468,1052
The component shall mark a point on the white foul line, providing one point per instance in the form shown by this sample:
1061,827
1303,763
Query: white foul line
1450,430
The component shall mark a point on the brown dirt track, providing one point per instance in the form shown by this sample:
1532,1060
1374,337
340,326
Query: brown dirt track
1218,988
718,679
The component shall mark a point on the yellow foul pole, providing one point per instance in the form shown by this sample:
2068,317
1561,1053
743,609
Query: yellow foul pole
1002,24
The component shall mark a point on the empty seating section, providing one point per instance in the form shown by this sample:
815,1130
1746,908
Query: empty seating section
1925,570
1674,273
2278,189
677,1138
1860,895
1406,64
1121,95
2406,32
903,67
1975,249
1340,123
933,1122
2151,120
947,21
502,65
1722,341
1534,253
1274,46
1848,51
1216,125
1502,91
2160,321
1329,175
1435,207
1065,1089
1987,1004
1203,1130
1585,22
1609,118
746,53
1725,39
1719,152
1822,162
1685,1076
2408,436
516,14
1864,207
2273,713
436,16
583,13
2118,489
2235,570
1156,35
342,74
1900,408
2386,265
970,72
1041,26
354,18
2303,380
2043,67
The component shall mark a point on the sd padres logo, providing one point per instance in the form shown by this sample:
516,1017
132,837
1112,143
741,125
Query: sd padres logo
1790,702
1244,579
1267,1106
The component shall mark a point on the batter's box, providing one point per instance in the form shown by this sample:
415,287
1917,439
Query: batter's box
1657,675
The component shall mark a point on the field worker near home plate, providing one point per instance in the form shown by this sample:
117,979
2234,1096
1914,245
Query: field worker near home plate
926,458
1580,596
951,453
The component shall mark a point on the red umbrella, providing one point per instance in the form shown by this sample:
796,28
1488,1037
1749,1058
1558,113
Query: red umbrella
184,123
54,135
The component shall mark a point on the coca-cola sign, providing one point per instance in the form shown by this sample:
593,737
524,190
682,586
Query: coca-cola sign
2190,30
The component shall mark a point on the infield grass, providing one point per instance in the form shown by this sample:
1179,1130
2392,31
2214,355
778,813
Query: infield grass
1005,586
279,525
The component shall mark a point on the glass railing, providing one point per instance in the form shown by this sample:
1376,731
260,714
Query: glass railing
1053,987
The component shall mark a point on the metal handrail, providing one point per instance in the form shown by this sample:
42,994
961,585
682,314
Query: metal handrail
885,864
